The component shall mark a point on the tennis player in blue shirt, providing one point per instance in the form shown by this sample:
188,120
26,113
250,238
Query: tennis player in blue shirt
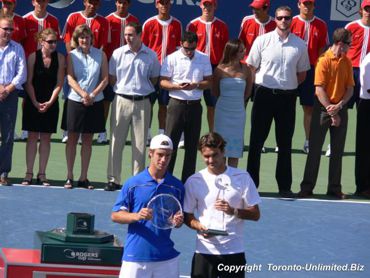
149,251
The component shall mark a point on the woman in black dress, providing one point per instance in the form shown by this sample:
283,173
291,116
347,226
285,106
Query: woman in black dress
46,69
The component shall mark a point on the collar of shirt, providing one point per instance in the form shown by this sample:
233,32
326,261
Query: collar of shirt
276,34
183,56
149,178
143,49
262,23
304,20
331,55
39,18
164,22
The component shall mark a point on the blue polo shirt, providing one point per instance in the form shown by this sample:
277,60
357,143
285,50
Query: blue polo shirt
144,242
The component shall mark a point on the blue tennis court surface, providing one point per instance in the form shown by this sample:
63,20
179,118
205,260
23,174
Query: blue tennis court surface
294,238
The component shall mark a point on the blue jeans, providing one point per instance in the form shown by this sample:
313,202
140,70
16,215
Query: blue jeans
8,116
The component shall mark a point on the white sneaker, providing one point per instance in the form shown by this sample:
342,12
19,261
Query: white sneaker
305,147
16,137
263,149
276,149
24,135
102,138
182,142
328,151
65,136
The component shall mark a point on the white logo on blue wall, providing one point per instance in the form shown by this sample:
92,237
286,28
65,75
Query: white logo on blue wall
347,8
60,4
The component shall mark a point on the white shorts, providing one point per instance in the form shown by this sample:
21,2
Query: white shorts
168,269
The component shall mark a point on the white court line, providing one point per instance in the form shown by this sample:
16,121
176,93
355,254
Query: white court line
267,198
318,200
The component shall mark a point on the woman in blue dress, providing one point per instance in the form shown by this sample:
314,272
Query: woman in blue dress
232,86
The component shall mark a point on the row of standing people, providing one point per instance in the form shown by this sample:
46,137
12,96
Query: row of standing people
306,25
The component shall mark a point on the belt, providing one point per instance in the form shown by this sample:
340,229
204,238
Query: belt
134,97
184,101
279,91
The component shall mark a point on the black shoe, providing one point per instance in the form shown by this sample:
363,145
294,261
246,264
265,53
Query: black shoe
363,194
286,194
304,194
68,184
336,194
111,186
85,184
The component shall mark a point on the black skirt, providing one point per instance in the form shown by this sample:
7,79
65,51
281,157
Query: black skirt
34,121
85,119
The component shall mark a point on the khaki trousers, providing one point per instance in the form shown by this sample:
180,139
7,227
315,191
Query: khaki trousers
125,114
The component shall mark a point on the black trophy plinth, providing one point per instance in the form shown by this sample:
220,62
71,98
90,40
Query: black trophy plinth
79,243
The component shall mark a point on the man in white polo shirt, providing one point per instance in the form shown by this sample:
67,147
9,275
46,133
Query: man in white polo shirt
133,71
280,60
185,74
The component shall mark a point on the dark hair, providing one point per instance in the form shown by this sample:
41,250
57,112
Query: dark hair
129,1
189,37
341,35
283,8
231,51
138,28
212,140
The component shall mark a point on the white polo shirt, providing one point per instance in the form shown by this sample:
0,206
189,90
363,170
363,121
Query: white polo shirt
365,77
201,193
181,69
134,70
278,61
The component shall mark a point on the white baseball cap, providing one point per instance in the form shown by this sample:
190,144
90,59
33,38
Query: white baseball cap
161,141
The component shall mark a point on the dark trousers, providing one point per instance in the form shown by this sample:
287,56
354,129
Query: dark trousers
187,118
320,124
362,162
212,266
8,116
268,106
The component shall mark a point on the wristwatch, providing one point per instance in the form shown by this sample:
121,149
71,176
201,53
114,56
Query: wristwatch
236,212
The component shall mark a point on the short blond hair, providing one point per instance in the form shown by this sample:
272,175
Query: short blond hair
81,30
46,32
7,18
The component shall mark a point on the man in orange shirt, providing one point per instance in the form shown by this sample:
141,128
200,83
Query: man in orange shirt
334,88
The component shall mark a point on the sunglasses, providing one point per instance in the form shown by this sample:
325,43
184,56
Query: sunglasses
280,18
51,41
7,29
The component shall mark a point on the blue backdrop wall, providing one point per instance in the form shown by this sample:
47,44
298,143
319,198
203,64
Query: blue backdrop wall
230,11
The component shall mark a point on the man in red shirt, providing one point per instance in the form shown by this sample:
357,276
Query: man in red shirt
360,30
117,22
36,21
162,34
7,9
257,24
97,23
314,32
212,35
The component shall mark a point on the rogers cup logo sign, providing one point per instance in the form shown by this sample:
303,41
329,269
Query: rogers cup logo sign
345,10
81,256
